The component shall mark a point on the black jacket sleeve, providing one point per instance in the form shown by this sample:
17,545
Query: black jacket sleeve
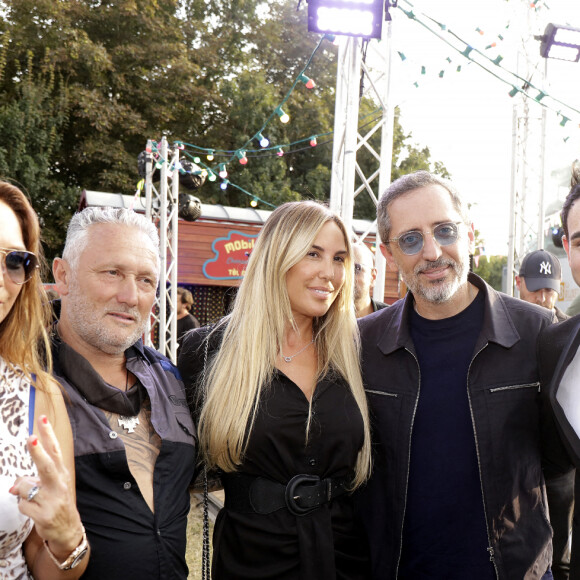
555,457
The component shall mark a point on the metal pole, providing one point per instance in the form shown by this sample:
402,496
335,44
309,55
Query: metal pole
172,290
540,244
387,131
512,237
163,246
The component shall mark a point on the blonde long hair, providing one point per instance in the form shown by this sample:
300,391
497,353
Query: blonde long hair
245,362
23,338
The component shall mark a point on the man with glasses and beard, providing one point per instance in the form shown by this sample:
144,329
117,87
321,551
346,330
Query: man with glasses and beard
452,382
133,434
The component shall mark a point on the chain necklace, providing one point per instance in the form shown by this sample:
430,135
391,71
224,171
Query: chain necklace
288,359
125,421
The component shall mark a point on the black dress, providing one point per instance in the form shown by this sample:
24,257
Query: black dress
325,544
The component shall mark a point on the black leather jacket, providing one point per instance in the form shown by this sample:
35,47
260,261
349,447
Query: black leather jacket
503,389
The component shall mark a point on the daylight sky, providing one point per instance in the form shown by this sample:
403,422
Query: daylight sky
466,117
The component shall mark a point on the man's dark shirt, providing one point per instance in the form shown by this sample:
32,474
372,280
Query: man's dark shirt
444,533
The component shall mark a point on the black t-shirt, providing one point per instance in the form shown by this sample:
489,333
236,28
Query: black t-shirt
444,532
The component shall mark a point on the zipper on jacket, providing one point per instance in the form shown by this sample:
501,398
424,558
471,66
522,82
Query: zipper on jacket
408,464
382,393
490,547
516,387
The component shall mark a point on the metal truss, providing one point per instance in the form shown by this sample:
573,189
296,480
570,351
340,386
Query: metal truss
348,140
526,227
162,208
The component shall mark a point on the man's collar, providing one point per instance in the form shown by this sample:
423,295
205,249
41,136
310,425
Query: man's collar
497,326
79,373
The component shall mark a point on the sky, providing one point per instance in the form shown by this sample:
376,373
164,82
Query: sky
466,117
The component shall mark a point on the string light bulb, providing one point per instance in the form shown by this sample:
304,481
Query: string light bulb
241,155
264,141
212,175
196,160
210,156
224,184
254,202
313,141
284,117
280,152
222,172
308,82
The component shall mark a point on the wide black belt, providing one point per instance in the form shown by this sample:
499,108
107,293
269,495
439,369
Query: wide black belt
301,495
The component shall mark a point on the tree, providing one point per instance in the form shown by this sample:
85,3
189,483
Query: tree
32,125
490,268
85,83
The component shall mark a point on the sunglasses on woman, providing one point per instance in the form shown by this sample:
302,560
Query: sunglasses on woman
18,264
412,242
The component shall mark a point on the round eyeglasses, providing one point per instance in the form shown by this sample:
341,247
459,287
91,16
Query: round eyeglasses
18,264
412,242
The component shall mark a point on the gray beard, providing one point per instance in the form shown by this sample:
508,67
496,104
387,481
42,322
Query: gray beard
90,329
438,292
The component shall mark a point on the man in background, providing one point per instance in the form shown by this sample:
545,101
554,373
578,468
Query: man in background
539,281
365,275
185,320
134,439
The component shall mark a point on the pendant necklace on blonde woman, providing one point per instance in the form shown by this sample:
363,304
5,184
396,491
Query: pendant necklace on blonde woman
288,359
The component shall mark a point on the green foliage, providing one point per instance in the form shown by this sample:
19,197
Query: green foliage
490,268
31,125
85,83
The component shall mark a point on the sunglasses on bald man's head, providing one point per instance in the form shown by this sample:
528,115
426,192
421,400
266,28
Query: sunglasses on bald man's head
18,264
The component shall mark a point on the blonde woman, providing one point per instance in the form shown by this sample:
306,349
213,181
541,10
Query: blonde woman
281,408
41,535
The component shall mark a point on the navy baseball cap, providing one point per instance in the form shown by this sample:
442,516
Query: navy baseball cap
540,269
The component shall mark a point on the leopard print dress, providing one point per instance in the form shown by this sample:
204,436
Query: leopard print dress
14,461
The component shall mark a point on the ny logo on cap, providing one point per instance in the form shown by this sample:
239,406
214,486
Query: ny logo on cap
546,268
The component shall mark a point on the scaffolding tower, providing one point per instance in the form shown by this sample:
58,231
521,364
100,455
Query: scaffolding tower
161,207
373,73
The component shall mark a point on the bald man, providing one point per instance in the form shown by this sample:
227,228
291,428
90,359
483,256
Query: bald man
365,274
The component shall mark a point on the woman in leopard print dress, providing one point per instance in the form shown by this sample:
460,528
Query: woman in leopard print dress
40,527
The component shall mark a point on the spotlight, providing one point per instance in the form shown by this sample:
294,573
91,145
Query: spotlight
561,42
362,18
142,165
557,234
191,176
189,207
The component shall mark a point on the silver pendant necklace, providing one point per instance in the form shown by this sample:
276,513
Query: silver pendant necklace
288,359
128,423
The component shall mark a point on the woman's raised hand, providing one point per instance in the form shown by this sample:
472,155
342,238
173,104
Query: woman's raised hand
49,498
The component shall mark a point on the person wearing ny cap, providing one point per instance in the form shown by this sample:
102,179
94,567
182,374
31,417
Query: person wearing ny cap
539,281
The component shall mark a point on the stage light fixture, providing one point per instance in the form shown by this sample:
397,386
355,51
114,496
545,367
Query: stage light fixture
189,207
362,18
561,42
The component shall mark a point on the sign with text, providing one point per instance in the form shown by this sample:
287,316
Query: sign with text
231,256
